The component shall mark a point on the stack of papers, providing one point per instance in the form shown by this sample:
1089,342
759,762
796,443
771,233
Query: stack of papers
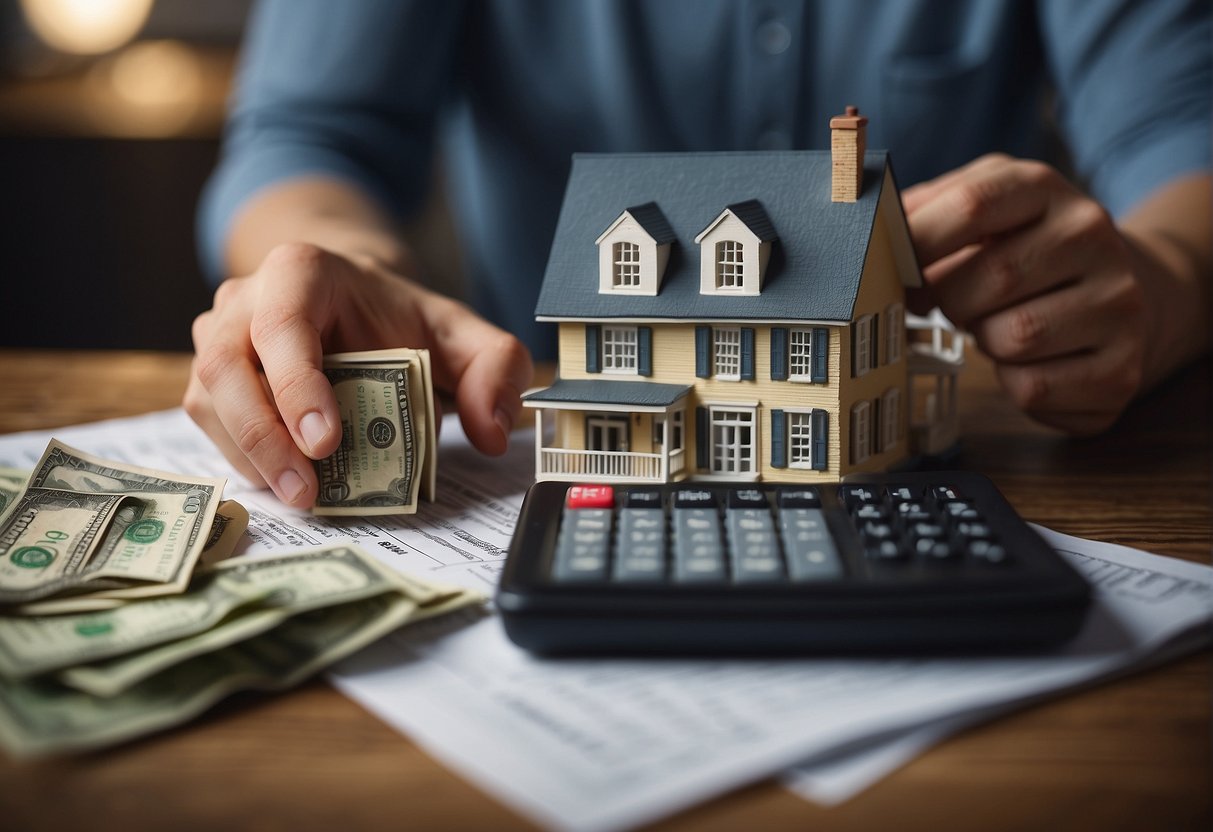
608,744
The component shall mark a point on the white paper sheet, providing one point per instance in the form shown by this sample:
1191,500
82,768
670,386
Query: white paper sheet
610,744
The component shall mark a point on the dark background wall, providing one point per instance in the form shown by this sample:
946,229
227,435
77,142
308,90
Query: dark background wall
98,189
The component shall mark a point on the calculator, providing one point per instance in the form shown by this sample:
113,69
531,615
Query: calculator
922,562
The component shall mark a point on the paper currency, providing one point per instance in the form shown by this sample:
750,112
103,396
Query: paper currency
173,681
63,537
388,453
12,483
231,521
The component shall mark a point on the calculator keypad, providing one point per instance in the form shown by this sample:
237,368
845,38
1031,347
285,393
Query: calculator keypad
743,535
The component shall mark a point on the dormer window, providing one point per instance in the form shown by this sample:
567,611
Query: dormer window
734,249
627,266
730,265
633,252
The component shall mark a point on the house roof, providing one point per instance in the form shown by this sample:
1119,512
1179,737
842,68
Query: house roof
815,266
752,216
602,391
654,223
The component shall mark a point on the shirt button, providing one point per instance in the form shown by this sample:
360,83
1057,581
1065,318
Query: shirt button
774,37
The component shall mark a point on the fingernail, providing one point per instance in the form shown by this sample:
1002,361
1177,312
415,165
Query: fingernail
504,421
289,486
313,427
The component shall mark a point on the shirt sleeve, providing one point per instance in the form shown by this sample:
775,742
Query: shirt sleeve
1133,82
350,90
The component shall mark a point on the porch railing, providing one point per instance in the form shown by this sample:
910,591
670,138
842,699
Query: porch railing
619,466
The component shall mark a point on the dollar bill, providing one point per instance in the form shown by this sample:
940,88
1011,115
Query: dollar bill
288,583
387,459
12,484
48,539
43,716
154,538
231,521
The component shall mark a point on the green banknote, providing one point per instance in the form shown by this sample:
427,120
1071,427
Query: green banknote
387,457
43,716
156,536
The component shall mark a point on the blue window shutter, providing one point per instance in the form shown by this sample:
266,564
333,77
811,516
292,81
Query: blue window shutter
703,351
703,428
593,348
821,445
875,350
747,353
854,349
779,353
779,433
821,354
644,350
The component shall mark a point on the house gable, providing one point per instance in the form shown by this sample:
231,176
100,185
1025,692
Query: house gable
734,250
633,252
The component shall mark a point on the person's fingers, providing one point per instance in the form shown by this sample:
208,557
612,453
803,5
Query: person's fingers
489,369
990,196
197,403
1082,393
248,415
1010,268
1081,316
295,301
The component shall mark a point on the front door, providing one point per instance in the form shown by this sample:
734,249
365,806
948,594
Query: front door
606,433
732,441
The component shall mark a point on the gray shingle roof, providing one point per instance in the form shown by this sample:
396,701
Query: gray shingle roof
815,266
595,391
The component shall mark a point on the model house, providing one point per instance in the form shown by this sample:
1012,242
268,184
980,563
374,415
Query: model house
732,315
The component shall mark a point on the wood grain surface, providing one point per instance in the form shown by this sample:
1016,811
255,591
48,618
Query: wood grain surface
1131,754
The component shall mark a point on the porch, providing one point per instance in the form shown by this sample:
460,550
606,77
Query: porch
609,431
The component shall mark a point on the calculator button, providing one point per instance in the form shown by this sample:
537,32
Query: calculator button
854,496
986,551
747,498
642,498
935,550
590,496
698,544
945,493
799,498
974,531
871,512
582,545
808,546
640,545
886,550
960,510
694,498
897,494
752,542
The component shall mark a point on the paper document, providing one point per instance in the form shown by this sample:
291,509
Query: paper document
609,744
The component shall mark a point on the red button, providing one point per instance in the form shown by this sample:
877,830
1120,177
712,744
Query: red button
590,496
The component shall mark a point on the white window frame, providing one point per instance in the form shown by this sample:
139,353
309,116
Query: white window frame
862,360
861,432
800,354
894,332
726,353
890,416
730,265
620,350
724,421
625,273
799,440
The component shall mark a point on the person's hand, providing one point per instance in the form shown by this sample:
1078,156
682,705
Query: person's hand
1043,279
256,386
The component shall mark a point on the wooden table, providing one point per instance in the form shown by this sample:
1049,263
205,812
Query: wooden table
1133,754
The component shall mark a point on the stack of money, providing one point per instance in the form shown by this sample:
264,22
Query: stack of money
389,447
87,533
83,681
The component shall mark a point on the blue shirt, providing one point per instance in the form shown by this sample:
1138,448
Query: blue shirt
367,89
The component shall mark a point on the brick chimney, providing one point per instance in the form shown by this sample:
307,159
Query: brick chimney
848,140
